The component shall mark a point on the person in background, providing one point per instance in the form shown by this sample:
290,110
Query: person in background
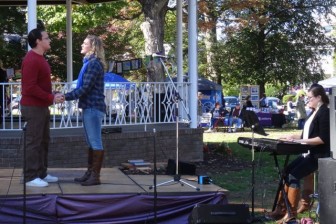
290,105
262,101
199,108
235,117
248,102
3,96
90,92
301,113
37,96
316,133
217,113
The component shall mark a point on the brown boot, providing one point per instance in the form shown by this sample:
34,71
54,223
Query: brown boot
293,199
94,179
88,172
280,210
308,189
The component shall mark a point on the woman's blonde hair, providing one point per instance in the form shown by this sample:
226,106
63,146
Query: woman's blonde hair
97,48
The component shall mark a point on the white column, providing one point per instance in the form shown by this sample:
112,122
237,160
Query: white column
179,42
32,20
332,112
179,51
192,63
69,40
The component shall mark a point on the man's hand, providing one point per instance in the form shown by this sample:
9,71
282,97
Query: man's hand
58,98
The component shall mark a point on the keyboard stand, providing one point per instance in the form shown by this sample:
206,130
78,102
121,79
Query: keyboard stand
281,185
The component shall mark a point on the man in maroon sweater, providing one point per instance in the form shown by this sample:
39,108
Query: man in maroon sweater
36,98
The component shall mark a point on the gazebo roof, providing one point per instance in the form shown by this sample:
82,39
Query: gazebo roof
48,2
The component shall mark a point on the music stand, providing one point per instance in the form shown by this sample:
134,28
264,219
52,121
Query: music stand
252,121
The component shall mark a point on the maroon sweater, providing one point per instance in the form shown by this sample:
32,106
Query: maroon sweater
36,81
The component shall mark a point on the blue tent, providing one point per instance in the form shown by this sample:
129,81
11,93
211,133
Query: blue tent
112,81
212,92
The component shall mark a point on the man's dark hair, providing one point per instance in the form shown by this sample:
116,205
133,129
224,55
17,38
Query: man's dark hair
33,36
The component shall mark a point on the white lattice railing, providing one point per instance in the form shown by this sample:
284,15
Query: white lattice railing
127,104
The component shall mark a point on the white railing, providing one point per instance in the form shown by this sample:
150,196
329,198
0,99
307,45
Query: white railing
127,104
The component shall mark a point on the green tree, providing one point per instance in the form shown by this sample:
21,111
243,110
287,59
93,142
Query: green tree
97,19
12,25
274,41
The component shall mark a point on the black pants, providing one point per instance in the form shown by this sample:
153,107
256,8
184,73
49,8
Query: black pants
299,168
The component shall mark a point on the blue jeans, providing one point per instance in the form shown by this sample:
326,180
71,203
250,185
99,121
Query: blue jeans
92,122
235,120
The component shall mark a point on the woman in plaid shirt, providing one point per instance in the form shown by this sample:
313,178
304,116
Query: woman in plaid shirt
90,92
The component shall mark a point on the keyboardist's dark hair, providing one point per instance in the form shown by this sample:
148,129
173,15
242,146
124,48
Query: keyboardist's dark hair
318,90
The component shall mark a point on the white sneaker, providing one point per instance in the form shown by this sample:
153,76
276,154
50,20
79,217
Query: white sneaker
37,182
50,179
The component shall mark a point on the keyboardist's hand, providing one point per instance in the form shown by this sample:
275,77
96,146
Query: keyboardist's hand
290,138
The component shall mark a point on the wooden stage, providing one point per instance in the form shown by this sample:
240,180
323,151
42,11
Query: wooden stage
65,194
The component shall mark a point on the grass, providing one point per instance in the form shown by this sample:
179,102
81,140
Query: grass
239,182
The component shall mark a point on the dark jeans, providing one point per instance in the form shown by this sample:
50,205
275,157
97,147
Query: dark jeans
37,141
299,168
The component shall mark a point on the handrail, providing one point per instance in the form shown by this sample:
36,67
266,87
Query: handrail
127,104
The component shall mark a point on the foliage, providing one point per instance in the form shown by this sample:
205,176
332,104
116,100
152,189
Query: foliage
111,21
275,90
272,41
12,22
286,98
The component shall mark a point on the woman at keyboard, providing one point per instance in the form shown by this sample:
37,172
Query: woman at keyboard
316,132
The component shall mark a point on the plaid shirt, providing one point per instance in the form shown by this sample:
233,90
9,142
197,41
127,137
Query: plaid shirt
91,93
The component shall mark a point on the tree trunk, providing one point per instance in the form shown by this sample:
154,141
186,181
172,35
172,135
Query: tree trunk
209,41
153,30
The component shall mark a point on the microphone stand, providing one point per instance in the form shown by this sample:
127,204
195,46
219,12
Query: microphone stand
154,180
253,176
177,176
178,99
174,87
24,173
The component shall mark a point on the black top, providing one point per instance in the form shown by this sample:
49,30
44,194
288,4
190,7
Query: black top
320,127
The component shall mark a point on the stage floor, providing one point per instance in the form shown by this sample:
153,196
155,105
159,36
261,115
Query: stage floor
113,181
120,198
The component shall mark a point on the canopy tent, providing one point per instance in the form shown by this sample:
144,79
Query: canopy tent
112,81
115,81
212,92
328,83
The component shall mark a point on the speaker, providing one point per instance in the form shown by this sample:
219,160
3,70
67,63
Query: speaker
327,190
220,214
184,168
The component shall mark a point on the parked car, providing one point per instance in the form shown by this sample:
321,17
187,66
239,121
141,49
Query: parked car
231,101
273,102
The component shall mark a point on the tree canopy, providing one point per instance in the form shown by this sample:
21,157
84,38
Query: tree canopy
274,41
264,42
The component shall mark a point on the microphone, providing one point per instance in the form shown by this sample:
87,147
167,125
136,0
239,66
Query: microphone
24,126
